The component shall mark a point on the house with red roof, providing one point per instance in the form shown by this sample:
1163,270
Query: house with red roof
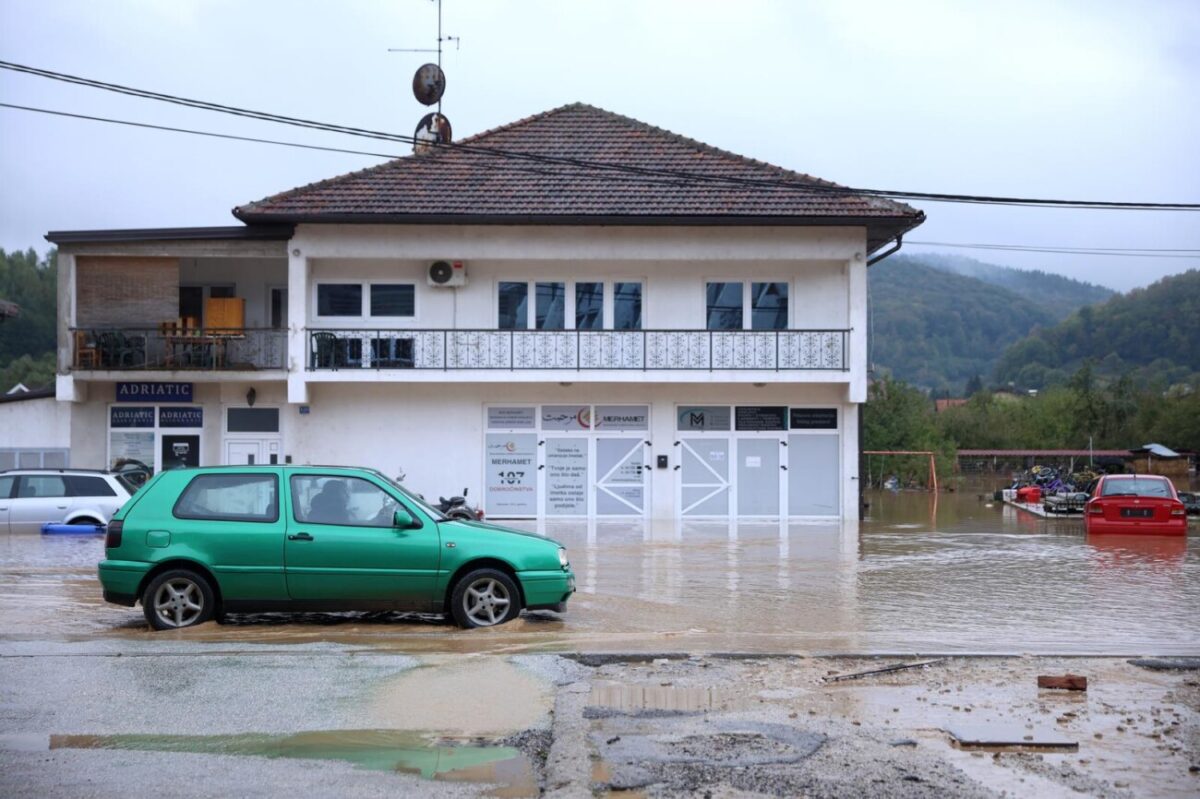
574,315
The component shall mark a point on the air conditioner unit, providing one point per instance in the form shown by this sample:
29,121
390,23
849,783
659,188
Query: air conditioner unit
447,274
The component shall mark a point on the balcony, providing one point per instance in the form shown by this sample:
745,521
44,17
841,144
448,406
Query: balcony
579,350
132,349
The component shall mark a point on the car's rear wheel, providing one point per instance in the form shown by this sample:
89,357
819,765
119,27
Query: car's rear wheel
485,598
178,598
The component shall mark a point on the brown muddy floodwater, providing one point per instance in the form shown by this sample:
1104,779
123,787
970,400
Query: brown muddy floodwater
959,575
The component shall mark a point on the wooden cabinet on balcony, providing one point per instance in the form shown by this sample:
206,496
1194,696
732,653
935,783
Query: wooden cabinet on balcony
225,313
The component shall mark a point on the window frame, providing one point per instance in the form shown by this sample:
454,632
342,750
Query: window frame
608,306
251,519
748,302
364,307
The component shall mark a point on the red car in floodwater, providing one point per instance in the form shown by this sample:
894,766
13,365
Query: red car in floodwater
1135,504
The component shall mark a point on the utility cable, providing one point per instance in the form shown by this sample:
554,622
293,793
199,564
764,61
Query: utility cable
800,182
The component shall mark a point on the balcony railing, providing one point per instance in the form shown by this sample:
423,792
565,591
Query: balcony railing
193,349
580,350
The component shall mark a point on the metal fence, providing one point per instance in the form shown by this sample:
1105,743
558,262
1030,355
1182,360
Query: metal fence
145,348
643,350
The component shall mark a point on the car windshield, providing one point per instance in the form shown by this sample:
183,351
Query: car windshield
417,499
1135,487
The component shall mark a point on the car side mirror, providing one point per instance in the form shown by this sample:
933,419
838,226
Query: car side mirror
403,520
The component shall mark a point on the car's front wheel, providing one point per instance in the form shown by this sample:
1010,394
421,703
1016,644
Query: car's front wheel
484,598
178,598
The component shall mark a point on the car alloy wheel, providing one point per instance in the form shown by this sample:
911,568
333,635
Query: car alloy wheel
177,599
485,598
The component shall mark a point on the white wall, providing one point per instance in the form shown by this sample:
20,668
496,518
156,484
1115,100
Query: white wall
41,423
673,297
436,433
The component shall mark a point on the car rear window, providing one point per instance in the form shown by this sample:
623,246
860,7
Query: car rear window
230,497
1135,486
88,486
6,486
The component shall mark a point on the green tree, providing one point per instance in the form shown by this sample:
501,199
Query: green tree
900,417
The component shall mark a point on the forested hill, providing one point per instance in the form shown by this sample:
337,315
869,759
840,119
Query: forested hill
1153,332
937,329
1059,295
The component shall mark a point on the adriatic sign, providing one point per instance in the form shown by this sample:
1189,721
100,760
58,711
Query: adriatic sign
180,417
131,417
154,392
761,417
814,419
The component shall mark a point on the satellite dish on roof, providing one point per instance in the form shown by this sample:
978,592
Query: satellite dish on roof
429,84
433,129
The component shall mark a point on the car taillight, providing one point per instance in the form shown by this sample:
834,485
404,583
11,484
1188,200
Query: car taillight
479,514
1095,508
1180,511
112,535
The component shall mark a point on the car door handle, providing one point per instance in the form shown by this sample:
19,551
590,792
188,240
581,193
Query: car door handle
300,537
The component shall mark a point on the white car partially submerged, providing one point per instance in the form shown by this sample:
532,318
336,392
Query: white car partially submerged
30,498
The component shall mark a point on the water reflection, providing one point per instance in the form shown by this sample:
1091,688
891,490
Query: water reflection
959,574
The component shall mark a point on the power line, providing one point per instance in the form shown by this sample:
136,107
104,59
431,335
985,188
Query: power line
508,168
194,132
1129,252
794,184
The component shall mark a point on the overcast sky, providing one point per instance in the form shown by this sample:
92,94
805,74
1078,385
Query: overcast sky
1080,100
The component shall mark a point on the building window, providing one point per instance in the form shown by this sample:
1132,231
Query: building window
583,304
513,306
769,306
551,306
724,307
727,310
252,420
339,299
393,299
589,306
627,306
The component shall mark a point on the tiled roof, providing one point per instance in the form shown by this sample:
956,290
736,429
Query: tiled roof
469,186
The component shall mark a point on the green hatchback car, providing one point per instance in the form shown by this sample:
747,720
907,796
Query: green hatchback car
193,544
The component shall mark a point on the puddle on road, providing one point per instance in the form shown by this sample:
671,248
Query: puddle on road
376,750
515,699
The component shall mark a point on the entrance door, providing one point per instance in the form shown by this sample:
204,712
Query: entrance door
813,474
566,476
251,451
758,476
704,477
621,477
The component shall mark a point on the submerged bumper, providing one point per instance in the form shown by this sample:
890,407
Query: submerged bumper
120,580
547,590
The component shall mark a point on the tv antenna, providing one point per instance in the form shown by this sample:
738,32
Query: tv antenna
429,84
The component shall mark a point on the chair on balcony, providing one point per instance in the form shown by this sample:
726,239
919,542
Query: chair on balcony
87,354
328,351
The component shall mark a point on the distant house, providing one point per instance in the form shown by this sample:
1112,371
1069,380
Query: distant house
569,331
940,405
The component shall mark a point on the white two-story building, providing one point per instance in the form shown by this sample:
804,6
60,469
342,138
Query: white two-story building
549,313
